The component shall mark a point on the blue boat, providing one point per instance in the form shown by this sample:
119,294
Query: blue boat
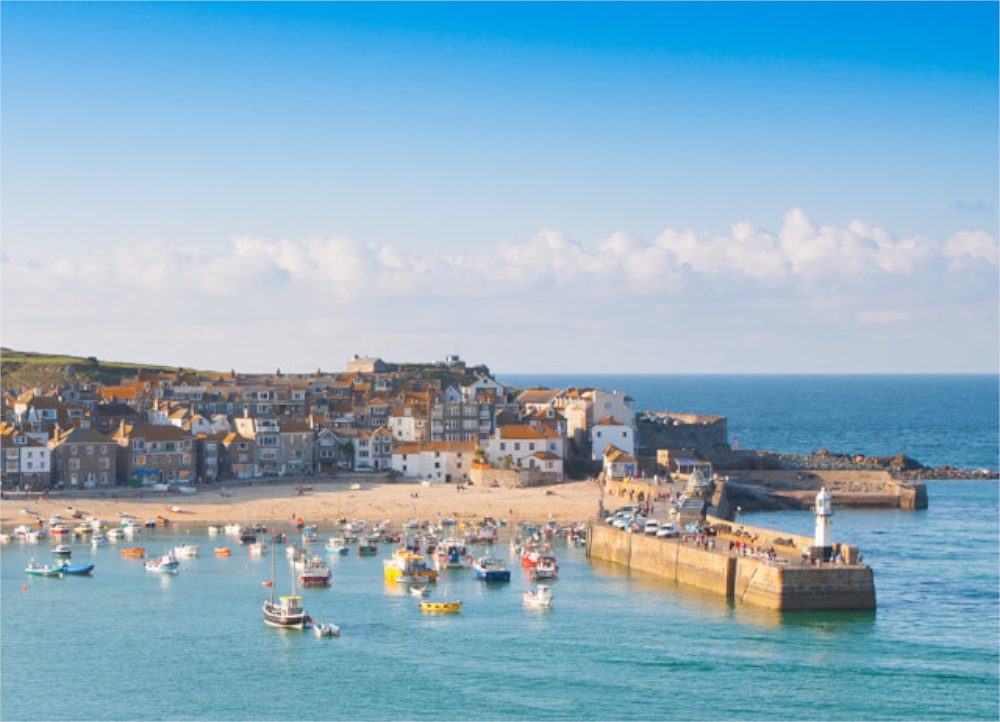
491,570
78,569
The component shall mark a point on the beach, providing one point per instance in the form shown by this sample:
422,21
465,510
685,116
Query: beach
327,501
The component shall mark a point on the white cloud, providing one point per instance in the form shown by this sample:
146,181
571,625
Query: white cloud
966,248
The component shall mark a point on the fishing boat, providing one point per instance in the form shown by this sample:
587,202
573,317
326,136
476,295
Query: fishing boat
406,567
367,548
293,552
223,551
541,598
279,538
59,530
62,550
450,554
187,551
310,536
131,528
166,564
546,568
287,611
233,529
134,553
315,573
326,629
43,570
336,545
80,570
491,570
441,607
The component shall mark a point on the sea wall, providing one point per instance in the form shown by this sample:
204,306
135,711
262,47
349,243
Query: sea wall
740,579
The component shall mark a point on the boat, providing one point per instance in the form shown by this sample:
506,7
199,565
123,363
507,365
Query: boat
355,487
59,530
213,531
298,523
336,545
441,607
293,552
406,567
367,549
258,547
546,568
233,529
309,536
315,573
166,564
279,538
135,553
450,554
287,612
115,534
223,551
4,538
247,537
187,551
131,528
81,530
175,509
98,540
80,570
43,570
149,523
541,598
491,570
326,629
61,551
420,590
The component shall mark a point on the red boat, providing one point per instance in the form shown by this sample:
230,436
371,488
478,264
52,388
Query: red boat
316,573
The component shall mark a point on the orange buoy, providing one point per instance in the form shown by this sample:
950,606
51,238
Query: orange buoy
24,587
267,583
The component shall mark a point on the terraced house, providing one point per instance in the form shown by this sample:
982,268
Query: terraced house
83,458
26,461
154,454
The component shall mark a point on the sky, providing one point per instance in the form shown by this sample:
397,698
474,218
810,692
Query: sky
628,188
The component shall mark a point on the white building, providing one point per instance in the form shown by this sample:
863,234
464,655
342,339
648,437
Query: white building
610,430
436,461
520,442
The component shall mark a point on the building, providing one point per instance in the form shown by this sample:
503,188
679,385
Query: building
618,464
518,446
237,457
27,463
367,365
83,458
436,461
372,450
295,447
610,430
455,419
333,451
154,454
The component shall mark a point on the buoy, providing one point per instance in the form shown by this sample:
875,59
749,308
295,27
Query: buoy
24,587
266,583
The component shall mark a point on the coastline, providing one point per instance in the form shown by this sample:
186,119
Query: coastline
278,501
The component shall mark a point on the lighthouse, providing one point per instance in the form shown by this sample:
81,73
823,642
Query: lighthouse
823,513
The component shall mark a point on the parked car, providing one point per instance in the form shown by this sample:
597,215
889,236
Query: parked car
668,530
652,526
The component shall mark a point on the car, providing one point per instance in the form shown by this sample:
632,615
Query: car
652,526
619,524
668,530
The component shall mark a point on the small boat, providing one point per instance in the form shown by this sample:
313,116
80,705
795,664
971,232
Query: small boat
355,487
223,551
298,523
546,568
450,554
187,551
368,549
267,583
336,545
149,523
541,598
213,531
4,538
491,570
59,530
98,540
315,573
166,564
407,567
135,553
233,529
61,551
43,570
309,536
420,590
279,538
326,629
131,528
441,607
115,534
258,547
81,530
80,570
175,509
247,538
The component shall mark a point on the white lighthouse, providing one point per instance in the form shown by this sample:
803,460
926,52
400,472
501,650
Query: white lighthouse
823,513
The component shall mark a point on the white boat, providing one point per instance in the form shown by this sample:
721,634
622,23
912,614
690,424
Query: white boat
541,598
161,487
166,564
326,629
355,487
213,531
131,528
233,529
115,534
257,547
98,540
187,551
4,538
420,590
187,490
22,530
336,545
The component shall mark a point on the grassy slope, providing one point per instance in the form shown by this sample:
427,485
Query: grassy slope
22,369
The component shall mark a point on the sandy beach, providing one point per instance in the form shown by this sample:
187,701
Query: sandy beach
328,501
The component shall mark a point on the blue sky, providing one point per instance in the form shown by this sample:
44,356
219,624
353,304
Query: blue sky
371,162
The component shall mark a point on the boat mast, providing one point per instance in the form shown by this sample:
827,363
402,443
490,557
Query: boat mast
272,575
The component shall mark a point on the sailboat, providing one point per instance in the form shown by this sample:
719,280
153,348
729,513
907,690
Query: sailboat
287,611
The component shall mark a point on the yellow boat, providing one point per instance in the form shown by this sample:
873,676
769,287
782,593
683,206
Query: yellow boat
408,567
442,607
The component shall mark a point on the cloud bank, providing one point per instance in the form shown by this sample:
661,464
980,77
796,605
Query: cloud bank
326,296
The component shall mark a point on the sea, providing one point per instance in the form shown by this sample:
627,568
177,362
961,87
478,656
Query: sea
128,644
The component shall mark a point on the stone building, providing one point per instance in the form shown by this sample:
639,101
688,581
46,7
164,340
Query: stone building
83,458
154,454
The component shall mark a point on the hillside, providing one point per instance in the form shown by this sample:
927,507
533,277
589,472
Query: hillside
23,369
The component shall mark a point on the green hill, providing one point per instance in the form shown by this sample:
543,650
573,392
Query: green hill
23,369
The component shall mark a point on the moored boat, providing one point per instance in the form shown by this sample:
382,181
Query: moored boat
491,570
420,590
315,573
223,551
406,567
187,551
450,554
43,570
326,629
541,598
287,612
77,569
62,550
166,564
134,553
367,549
98,540
441,607
336,545
213,531
545,568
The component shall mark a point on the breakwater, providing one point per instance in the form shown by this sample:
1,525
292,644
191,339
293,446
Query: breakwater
743,580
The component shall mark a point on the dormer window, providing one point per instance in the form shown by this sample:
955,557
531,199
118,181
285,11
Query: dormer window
20,440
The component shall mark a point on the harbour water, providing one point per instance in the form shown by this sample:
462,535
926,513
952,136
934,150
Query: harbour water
127,644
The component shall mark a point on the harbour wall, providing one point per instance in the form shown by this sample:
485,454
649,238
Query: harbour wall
742,580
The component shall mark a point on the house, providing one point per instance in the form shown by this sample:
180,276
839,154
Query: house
27,463
295,446
367,365
683,462
266,435
83,458
619,464
436,461
208,454
409,424
237,457
610,430
535,399
372,450
333,451
154,454
515,445
455,419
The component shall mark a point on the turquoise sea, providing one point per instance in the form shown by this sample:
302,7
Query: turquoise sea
127,644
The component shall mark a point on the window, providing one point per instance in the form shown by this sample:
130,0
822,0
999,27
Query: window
104,448
104,477
74,449
171,446
20,440
139,459
186,458
11,466
139,445
437,465
503,446
531,446
624,434
90,449
29,466
598,434
517,446
73,464
104,463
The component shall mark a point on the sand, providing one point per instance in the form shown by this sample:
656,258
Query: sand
330,500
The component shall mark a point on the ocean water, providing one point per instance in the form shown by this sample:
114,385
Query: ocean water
935,419
127,644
